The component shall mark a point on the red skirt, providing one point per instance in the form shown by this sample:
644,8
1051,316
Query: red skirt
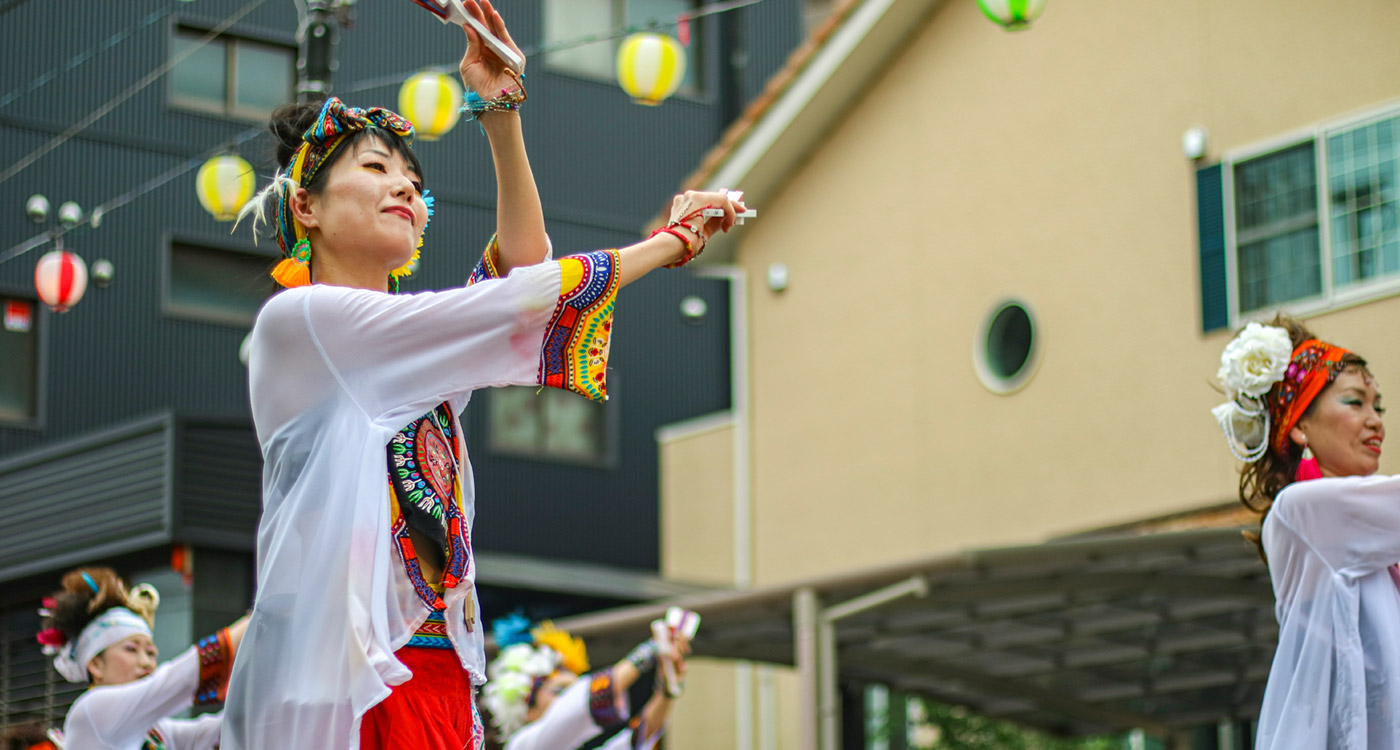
432,711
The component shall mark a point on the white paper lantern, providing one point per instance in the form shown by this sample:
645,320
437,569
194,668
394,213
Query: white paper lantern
431,101
60,278
650,67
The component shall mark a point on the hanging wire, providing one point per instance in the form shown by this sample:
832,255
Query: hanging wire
44,237
131,91
112,204
84,56
583,41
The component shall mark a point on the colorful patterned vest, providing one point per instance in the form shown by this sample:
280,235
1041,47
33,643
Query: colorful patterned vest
426,497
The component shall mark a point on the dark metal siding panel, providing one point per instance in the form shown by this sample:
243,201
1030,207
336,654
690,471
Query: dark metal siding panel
101,496
604,167
218,485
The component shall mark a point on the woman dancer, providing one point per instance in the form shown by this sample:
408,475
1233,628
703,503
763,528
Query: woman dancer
365,630
100,633
541,696
1305,416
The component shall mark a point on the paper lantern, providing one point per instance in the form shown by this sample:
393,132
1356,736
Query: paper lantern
431,101
60,278
650,67
1012,15
224,184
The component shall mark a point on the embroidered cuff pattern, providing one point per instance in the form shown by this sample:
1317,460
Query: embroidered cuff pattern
602,700
215,663
576,342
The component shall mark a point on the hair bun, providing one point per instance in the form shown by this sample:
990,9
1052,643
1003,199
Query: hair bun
289,123
143,599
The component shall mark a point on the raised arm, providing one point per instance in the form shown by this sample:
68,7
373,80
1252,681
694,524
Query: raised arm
520,232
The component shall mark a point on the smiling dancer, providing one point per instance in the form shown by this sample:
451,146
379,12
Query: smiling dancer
1305,416
365,630
100,633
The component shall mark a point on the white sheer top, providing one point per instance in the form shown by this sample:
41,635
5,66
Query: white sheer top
1332,546
334,374
121,717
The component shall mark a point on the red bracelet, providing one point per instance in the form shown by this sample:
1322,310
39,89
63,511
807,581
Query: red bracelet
690,252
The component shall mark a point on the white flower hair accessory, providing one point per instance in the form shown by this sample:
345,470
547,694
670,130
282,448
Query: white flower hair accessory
1250,365
512,679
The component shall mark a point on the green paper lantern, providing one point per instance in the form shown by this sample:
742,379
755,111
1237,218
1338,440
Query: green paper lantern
1012,15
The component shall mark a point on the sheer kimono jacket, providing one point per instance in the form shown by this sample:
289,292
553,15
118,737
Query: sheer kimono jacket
1332,546
134,715
335,373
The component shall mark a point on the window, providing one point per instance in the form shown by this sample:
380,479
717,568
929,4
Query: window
550,423
571,24
1314,223
230,76
216,285
19,361
1007,347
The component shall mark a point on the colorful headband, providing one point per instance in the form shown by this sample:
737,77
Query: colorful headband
1314,365
334,123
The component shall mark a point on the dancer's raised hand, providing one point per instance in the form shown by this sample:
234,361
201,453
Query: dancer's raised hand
482,70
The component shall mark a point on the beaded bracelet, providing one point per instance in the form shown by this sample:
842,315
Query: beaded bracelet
509,100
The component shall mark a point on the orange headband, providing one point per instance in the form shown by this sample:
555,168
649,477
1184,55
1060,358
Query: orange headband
1315,364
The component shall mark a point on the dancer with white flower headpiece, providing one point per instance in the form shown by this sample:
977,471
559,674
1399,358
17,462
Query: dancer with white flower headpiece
99,632
1306,418
541,695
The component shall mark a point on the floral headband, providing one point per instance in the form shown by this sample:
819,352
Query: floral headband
1250,366
335,122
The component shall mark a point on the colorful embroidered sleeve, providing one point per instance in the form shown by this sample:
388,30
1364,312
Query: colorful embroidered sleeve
579,335
602,700
487,267
215,664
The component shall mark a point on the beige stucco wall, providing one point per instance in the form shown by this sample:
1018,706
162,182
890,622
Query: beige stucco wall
697,509
1044,165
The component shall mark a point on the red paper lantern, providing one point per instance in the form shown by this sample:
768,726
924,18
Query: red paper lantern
60,278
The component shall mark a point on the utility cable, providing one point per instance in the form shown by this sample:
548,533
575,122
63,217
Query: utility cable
84,56
131,91
537,49
112,204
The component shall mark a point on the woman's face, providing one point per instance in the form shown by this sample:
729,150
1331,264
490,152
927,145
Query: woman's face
552,687
124,661
370,210
1343,426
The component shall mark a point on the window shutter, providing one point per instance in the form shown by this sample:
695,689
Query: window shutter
1210,217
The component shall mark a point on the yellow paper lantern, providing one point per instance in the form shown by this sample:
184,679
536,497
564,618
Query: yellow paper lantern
430,100
224,184
650,67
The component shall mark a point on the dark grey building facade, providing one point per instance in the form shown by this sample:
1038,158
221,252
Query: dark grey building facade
125,435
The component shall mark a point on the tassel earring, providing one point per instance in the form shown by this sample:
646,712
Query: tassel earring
1308,467
295,270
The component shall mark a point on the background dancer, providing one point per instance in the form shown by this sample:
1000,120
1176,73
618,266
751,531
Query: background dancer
365,630
1305,416
100,633
541,695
